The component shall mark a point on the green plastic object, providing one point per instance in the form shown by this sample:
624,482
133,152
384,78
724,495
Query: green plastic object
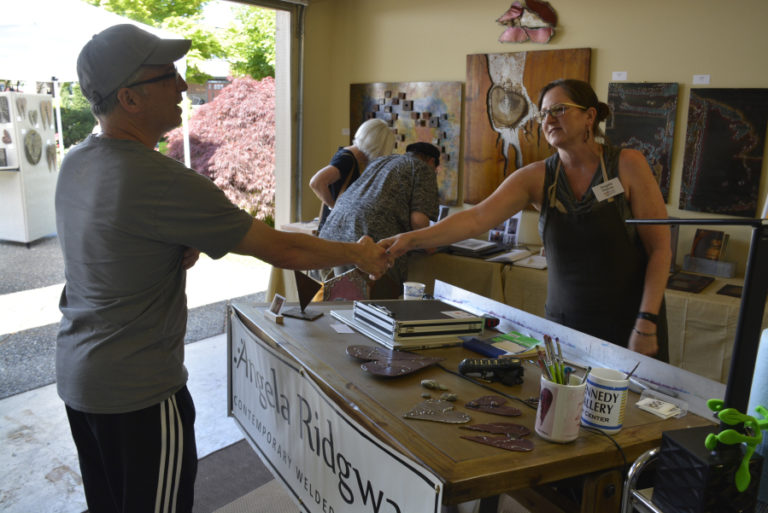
752,425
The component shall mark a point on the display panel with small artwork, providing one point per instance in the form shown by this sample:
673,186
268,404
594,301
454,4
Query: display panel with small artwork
417,112
643,118
724,146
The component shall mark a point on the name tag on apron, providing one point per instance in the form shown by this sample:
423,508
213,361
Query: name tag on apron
607,190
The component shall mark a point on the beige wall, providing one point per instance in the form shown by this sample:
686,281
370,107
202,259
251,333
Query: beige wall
354,41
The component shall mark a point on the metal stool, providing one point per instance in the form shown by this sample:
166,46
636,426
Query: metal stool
639,500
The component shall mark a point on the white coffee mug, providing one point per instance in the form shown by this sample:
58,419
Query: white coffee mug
605,400
557,417
413,290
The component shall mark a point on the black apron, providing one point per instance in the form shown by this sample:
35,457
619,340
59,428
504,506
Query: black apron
596,270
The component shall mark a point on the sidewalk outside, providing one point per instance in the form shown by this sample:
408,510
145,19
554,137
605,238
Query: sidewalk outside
38,462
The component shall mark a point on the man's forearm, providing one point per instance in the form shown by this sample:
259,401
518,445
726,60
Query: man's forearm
290,250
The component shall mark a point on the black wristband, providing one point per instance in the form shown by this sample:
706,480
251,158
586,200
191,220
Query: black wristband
654,318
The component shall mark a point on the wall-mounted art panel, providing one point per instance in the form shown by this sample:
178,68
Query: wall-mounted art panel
724,146
5,110
46,114
643,118
502,133
417,112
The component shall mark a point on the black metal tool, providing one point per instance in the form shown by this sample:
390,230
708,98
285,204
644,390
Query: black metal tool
508,371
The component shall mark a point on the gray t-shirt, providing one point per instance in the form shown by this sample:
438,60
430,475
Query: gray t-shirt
125,215
380,202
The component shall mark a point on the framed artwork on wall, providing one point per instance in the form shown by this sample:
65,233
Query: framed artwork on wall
724,147
643,118
502,132
417,112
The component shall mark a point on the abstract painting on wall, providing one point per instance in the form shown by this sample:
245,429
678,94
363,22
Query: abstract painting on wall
417,112
643,118
502,132
724,147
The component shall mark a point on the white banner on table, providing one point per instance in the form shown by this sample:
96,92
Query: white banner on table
325,458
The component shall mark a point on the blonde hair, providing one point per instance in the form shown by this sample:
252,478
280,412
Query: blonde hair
374,138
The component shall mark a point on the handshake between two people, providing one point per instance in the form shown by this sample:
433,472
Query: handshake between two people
379,257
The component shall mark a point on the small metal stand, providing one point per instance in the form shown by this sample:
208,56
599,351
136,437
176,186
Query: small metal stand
306,288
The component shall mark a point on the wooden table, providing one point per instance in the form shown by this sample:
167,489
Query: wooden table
702,327
469,470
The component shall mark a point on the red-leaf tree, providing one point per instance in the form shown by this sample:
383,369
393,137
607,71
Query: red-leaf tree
232,141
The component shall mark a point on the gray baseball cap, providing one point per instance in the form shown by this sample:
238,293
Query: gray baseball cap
114,54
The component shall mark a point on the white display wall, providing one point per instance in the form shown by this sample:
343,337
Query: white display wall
28,167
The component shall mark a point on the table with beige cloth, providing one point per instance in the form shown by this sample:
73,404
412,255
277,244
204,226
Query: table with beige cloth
702,326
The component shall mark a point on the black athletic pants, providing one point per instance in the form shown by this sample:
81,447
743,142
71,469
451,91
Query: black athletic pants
138,462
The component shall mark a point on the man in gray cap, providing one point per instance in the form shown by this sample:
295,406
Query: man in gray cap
130,222
395,193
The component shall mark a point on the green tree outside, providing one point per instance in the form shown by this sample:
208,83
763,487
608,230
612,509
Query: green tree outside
76,117
248,43
242,165
251,42
151,12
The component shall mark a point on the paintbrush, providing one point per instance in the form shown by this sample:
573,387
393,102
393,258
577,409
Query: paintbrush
584,379
561,360
632,371
543,365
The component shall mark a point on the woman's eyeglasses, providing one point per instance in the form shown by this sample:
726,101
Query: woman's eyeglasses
173,74
557,110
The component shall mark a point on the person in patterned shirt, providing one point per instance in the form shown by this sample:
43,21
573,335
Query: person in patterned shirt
395,194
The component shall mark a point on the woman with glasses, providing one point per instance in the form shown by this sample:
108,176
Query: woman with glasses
606,278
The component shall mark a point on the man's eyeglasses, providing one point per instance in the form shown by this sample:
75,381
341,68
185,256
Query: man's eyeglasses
557,110
172,74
